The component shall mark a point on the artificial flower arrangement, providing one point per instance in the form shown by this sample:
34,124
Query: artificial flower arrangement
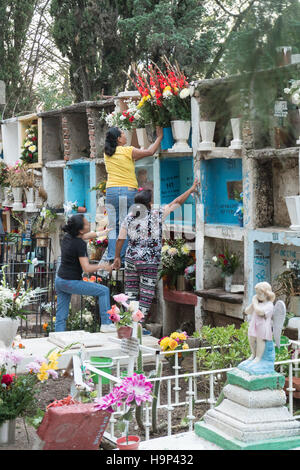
175,258
14,299
18,392
294,92
125,314
30,145
98,246
165,95
228,262
133,391
175,342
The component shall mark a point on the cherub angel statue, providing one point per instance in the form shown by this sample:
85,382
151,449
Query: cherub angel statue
266,322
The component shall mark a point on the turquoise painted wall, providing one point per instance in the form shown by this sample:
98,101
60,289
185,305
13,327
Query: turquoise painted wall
79,177
215,174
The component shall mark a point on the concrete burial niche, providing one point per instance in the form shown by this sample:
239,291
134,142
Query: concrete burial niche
220,178
176,176
52,139
10,136
79,178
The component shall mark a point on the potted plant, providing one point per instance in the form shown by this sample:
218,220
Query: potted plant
12,303
228,262
29,150
132,392
124,315
18,392
43,225
177,341
98,247
16,177
176,257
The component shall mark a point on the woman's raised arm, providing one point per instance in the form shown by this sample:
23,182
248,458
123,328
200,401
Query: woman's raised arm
137,154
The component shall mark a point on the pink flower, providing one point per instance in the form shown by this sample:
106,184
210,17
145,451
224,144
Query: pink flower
121,299
137,316
114,317
136,389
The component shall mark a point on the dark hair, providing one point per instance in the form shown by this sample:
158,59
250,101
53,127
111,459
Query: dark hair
144,197
74,224
111,140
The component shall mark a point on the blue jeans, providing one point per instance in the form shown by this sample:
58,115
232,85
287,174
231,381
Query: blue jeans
117,203
65,288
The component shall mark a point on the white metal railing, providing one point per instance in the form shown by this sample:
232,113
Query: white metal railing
173,385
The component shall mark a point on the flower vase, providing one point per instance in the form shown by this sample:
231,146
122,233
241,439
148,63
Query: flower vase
142,138
17,194
207,130
236,143
293,207
97,253
181,133
7,198
42,239
128,443
124,332
180,283
128,134
7,432
30,205
8,330
227,284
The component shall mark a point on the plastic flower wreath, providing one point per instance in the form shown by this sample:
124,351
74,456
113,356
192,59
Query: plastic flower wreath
133,391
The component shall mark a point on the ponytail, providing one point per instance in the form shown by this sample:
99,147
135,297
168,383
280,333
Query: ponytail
111,140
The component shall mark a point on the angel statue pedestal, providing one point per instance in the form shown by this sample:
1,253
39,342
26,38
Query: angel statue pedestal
252,414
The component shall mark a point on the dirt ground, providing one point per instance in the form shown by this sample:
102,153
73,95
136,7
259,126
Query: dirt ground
60,388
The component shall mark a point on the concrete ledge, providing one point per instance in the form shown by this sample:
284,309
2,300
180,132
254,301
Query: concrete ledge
180,297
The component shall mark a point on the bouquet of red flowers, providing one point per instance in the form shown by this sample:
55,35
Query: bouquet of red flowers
228,262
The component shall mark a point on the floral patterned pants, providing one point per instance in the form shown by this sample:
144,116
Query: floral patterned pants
140,282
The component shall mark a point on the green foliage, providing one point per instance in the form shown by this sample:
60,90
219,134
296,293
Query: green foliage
14,25
19,398
52,95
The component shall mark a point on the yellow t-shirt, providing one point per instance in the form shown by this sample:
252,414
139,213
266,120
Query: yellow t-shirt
120,168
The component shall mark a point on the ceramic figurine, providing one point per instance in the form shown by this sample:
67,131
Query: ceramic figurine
266,322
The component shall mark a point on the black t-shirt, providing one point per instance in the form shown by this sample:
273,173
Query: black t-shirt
72,248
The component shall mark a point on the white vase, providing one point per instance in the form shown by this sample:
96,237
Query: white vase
17,194
298,141
227,283
207,130
30,204
181,133
7,432
293,207
7,198
142,138
128,137
236,143
8,331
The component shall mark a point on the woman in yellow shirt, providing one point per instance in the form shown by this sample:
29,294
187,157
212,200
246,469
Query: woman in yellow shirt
122,186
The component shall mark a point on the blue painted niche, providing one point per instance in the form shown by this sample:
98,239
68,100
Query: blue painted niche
176,176
79,178
215,174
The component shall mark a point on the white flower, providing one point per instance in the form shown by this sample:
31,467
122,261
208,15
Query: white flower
167,93
185,249
185,92
165,248
173,251
296,98
215,259
287,90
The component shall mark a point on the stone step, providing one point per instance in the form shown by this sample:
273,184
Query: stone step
255,382
223,440
255,398
254,431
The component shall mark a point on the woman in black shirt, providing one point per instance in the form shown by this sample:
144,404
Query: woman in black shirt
74,261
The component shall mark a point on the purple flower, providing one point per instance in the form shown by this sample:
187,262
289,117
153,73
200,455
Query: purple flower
33,367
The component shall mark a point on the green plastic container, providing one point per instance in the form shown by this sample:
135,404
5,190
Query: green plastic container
283,340
103,363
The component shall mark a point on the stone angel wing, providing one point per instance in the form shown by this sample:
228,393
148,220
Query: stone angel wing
278,320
